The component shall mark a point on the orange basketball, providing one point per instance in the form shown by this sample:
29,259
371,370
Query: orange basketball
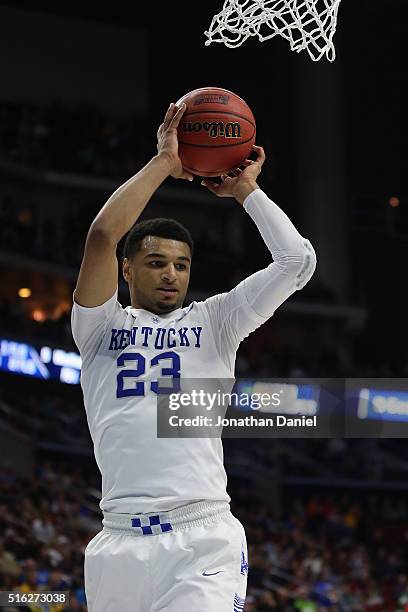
216,132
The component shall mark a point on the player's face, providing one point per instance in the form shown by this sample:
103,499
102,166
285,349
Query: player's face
158,274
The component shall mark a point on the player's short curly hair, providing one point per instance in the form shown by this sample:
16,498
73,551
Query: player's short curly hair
163,228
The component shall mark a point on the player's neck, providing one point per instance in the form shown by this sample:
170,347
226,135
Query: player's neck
158,313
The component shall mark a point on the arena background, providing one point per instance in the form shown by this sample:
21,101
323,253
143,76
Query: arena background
82,92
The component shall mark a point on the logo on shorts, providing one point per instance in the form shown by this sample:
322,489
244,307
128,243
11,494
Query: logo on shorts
212,573
244,564
151,524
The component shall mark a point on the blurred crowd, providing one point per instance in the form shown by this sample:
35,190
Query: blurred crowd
79,140
339,552
353,460
57,239
45,416
325,553
15,323
45,525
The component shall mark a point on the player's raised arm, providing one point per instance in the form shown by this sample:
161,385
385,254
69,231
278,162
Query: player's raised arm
98,276
256,298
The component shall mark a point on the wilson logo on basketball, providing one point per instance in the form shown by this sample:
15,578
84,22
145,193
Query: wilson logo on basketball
211,99
214,129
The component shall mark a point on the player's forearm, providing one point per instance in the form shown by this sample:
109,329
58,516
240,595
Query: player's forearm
127,203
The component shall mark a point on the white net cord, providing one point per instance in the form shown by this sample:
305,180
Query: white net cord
306,24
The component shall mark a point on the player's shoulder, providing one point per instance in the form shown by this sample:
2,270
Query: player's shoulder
110,312
210,306
213,300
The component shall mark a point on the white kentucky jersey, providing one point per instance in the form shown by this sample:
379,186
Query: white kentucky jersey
127,351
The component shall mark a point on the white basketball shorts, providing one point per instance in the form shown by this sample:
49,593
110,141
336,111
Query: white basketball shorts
190,559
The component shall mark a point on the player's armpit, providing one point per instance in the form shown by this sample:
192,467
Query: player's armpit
98,276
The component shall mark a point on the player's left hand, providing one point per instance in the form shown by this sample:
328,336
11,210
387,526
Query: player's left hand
240,182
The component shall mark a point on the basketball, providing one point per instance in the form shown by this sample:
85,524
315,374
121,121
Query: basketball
216,132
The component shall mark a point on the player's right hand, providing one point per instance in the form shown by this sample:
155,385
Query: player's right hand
167,141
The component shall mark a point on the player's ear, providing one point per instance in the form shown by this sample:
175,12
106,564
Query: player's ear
126,270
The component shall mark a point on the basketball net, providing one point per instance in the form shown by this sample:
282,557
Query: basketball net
306,24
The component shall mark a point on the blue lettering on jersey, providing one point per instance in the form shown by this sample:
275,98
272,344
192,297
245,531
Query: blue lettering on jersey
183,336
197,332
124,341
159,342
159,338
114,339
134,365
146,331
171,343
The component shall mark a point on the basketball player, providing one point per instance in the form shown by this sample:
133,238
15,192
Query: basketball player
169,541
